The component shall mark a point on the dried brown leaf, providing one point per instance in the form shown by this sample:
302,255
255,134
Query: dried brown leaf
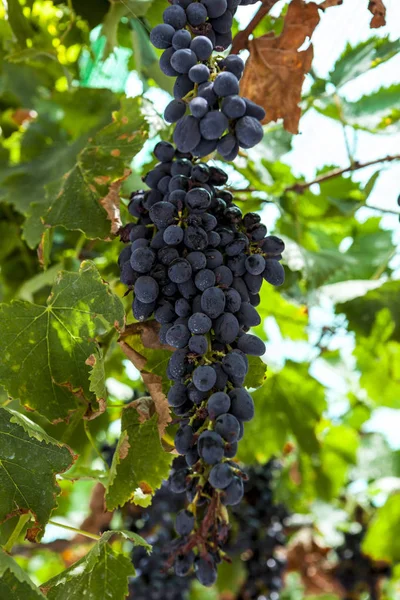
148,332
275,70
328,3
307,557
378,9
110,203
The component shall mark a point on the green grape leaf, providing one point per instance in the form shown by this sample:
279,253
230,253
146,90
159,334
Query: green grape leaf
291,318
378,112
339,446
29,462
378,359
45,348
289,404
97,175
359,59
257,372
19,23
381,541
361,312
102,573
14,582
140,463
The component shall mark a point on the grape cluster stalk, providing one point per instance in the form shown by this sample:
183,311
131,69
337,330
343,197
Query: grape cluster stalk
196,265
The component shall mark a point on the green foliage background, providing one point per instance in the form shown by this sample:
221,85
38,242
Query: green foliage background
68,138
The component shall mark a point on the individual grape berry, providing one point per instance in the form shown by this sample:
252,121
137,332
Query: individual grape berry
205,571
196,14
175,16
181,39
217,404
249,132
242,405
161,36
234,492
187,133
183,60
174,111
204,378
221,476
198,107
213,125
184,522
211,447
202,47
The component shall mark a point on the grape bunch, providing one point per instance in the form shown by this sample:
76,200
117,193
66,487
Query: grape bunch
196,264
209,113
356,572
154,580
258,533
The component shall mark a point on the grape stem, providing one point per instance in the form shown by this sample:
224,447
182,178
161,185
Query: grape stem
301,186
240,41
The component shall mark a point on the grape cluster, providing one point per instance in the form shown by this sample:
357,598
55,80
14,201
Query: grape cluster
356,572
209,113
197,264
154,580
258,534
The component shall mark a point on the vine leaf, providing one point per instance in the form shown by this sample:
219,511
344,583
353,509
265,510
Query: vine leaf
102,573
380,543
14,582
140,463
45,348
29,461
100,169
275,70
378,10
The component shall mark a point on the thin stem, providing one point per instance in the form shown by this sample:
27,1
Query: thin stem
299,187
92,536
240,41
93,444
22,521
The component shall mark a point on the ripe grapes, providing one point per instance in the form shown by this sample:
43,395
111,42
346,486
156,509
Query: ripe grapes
196,265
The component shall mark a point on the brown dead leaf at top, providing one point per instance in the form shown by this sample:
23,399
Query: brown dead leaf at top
275,70
378,9
148,333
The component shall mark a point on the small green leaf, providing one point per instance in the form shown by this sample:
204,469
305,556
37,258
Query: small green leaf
361,312
359,59
102,573
45,348
29,456
139,462
257,372
14,583
381,541
291,318
378,359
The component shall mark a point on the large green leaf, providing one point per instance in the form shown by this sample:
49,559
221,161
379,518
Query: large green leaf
95,178
382,541
29,462
101,574
361,312
378,359
288,405
139,464
14,583
46,350
359,59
